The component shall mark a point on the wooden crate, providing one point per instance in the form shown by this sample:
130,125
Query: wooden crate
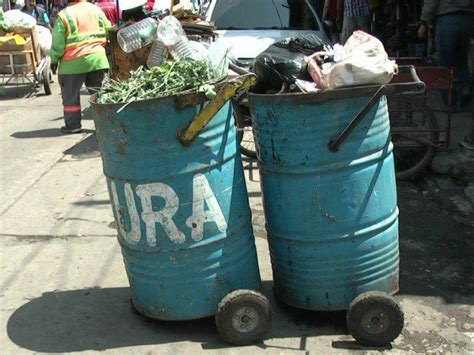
33,45
122,63
21,57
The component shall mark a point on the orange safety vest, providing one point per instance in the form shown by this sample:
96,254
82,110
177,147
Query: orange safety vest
85,30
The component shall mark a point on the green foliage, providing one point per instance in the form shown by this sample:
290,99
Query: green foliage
171,78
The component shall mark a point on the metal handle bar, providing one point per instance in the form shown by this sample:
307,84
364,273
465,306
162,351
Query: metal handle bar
414,87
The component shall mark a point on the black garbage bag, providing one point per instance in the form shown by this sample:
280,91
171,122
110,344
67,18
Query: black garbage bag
283,63
307,44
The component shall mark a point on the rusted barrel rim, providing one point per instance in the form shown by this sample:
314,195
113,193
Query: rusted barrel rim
319,97
182,100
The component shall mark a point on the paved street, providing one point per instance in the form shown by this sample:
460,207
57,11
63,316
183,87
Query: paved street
63,286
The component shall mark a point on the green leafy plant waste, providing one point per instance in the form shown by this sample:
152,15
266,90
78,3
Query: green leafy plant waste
171,78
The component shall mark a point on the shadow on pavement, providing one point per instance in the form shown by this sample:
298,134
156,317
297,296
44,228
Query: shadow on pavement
15,92
87,113
43,133
353,345
99,319
85,149
91,203
435,251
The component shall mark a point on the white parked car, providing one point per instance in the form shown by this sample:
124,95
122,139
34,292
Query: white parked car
249,27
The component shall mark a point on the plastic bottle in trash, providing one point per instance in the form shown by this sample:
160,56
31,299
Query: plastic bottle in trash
137,35
172,34
157,54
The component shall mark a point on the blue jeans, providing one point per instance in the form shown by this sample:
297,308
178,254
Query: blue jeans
453,33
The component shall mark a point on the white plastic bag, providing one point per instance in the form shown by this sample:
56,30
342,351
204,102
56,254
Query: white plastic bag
45,39
364,62
18,21
219,56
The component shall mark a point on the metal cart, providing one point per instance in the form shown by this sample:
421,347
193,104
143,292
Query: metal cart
32,70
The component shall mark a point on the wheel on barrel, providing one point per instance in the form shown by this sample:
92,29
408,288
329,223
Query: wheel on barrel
375,319
243,317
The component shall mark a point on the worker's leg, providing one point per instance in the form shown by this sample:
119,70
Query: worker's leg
70,91
452,45
348,26
446,46
94,80
363,23
465,25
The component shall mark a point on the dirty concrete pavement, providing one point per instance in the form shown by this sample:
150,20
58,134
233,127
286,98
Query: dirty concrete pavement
63,284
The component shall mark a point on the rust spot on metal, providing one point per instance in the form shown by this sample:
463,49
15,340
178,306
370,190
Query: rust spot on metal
327,301
121,147
122,127
393,282
330,217
183,101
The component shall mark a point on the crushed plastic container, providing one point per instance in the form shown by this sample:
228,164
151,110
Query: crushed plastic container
157,54
137,35
173,36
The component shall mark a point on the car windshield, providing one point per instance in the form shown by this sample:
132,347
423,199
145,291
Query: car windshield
264,14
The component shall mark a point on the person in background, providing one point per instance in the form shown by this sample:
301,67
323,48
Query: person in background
41,3
79,38
454,22
356,17
149,5
109,8
330,12
54,7
37,12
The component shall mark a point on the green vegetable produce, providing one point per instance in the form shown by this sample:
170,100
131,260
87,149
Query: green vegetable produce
172,77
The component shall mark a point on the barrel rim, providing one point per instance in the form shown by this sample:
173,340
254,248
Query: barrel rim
318,97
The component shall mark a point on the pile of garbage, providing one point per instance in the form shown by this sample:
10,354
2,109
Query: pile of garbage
16,22
287,67
170,78
175,64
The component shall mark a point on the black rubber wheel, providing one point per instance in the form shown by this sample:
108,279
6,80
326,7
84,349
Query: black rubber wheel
243,123
244,317
411,117
46,80
375,319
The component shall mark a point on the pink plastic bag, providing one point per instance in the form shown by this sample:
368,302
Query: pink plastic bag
361,61
315,72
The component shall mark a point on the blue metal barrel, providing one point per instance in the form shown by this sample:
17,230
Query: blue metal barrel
331,217
182,213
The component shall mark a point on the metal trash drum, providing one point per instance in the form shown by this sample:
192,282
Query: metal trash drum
329,195
182,214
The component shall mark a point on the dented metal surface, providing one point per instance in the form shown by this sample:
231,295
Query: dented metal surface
331,217
182,213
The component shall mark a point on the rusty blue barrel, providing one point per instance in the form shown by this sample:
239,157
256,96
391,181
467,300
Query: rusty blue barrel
182,213
331,217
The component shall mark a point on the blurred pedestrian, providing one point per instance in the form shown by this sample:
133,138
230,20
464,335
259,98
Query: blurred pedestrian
356,17
330,14
37,12
79,38
109,8
454,23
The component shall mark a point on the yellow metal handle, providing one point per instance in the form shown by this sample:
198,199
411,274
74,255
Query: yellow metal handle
187,135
